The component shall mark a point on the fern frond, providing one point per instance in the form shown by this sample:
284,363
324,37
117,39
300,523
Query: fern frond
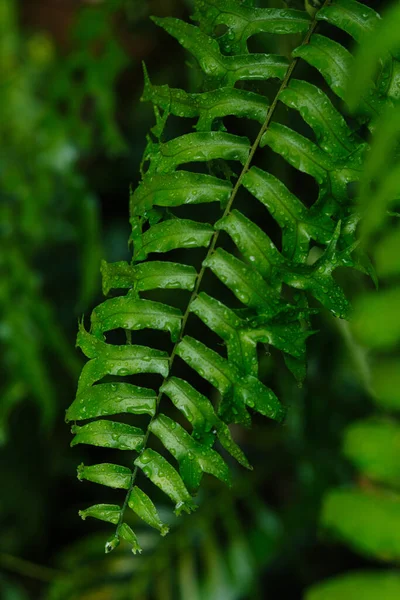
272,286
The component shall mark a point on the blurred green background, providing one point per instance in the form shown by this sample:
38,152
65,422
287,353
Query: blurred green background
72,133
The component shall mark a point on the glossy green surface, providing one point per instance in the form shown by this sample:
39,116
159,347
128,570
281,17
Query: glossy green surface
272,287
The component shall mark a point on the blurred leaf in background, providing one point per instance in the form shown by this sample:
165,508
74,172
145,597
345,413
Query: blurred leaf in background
37,211
55,110
84,88
365,515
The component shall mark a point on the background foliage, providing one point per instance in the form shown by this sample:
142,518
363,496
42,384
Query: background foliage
73,133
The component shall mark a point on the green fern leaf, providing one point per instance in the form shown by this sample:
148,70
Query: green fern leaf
113,476
141,504
268,290
245,21
164,476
